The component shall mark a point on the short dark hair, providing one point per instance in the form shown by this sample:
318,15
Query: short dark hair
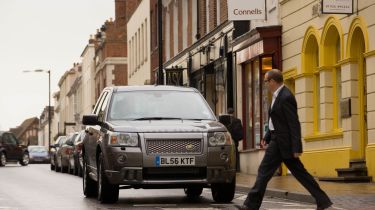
275,75
230,110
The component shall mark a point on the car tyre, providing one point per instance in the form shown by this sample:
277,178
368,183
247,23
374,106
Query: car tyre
25,159
223,192
89,185
3,159
107,192
193,192
57,168
52,166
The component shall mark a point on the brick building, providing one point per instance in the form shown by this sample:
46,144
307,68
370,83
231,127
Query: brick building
27,132
111,48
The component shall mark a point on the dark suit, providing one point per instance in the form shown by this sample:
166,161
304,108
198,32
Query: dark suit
283,142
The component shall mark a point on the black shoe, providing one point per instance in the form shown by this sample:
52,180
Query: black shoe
243,207
324,207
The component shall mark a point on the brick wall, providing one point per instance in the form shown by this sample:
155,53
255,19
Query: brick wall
121,75
190,24
223,11
212,14
202,21
180,26
171,28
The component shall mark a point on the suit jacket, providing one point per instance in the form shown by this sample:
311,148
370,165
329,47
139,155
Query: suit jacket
286,123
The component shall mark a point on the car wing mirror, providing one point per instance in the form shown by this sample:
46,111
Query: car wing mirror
91,119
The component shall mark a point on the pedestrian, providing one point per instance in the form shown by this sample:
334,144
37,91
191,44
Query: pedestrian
283,144
235,129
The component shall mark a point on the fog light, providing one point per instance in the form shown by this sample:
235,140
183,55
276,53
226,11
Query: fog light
224,156
121,159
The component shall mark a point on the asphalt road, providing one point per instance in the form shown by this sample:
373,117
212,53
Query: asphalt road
37,187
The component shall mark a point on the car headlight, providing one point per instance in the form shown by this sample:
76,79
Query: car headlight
219,139
124,139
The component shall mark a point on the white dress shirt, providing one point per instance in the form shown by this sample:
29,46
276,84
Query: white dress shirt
274,96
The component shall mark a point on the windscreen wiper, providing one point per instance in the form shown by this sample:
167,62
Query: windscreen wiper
158,118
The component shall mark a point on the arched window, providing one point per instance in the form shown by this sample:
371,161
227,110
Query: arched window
310,71
332,42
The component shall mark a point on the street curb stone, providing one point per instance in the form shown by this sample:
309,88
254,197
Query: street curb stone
277,193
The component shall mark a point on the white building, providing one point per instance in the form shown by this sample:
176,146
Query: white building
138,40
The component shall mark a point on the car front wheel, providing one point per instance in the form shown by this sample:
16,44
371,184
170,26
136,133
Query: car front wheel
3,159
89,185
107,192
223,192
25,159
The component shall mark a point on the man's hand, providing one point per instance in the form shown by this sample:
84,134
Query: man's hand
296,155
263,143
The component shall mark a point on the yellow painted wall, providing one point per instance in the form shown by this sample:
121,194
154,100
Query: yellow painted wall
324,162
370,160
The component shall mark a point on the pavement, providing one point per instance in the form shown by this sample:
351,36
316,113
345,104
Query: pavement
349,196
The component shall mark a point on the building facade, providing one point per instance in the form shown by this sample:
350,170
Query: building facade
27,132
87,79
329,61
138,34
43,133
65,108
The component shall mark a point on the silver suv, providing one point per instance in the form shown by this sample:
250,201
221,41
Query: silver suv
156,137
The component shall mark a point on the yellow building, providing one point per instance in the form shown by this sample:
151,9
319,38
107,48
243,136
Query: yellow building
329,61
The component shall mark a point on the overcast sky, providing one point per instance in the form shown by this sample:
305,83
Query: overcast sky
41,34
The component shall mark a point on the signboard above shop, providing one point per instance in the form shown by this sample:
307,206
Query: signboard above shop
246,10
337,6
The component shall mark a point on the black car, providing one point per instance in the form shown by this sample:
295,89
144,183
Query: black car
11,150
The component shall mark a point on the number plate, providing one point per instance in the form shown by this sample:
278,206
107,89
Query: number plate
174,161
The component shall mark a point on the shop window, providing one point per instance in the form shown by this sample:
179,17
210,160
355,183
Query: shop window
258,100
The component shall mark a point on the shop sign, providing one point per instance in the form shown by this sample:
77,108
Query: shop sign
250,52
174,77
246,9
337,6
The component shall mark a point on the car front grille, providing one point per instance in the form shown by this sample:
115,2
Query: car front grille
174,173
174,146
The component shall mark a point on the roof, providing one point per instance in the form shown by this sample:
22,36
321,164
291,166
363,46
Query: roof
154,87
25,126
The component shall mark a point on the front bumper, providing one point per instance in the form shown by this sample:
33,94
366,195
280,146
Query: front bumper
130,166
142,177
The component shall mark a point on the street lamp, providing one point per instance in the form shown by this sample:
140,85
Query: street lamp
49,101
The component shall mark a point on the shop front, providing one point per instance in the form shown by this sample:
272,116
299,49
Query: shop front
256,53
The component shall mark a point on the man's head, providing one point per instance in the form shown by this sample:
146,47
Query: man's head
273,79
230,110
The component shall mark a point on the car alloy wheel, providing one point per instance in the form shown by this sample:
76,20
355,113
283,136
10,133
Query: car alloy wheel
3,159
25,159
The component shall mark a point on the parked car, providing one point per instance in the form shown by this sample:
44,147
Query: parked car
53,152
38,154
75,158
63,153
156,137
11,150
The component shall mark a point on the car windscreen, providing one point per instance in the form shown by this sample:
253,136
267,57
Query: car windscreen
138,105
37,149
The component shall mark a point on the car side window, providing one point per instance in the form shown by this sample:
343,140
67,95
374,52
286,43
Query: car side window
102,106
99,103
9,140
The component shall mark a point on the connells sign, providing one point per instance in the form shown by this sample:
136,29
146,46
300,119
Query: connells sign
246,9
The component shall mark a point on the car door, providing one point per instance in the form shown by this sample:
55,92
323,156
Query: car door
94,131
10,145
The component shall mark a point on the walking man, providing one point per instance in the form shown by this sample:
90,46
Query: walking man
283,144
